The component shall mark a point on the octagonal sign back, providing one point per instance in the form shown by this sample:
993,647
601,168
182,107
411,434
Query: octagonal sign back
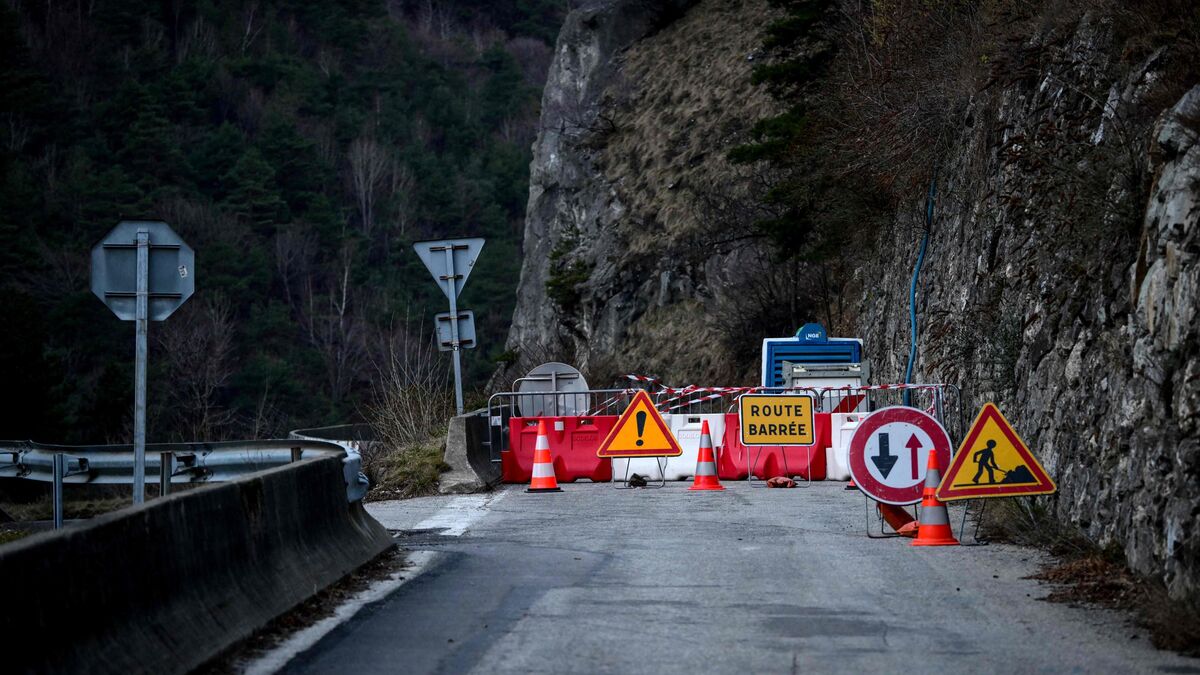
172,273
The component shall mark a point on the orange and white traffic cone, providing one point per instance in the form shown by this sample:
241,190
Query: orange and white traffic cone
706,463
898,518
934,528
850,485
543,479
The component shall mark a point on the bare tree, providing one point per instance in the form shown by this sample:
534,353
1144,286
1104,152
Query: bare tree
403,185
412,396
252,26
369,163
293,257
334,329
198,349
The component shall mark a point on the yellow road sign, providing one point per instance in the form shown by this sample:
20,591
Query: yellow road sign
776,419
640,432
993,461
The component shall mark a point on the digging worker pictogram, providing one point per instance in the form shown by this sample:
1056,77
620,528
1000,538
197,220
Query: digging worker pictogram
986,461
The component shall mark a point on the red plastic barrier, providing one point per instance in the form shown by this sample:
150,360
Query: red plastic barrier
573,445
772,460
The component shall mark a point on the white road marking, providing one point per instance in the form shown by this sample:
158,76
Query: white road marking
460,514
453,519
281,654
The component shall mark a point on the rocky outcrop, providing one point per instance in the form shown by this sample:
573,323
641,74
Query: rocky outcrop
641,102
1061,279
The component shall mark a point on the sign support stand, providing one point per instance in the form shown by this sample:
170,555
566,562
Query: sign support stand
141,322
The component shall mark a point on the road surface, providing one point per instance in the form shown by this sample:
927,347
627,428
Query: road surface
596,580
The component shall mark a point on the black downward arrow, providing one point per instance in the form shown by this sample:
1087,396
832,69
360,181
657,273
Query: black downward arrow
885,460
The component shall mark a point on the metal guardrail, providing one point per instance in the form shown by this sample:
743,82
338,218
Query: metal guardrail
174,463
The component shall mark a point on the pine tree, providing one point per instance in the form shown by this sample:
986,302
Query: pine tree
253,195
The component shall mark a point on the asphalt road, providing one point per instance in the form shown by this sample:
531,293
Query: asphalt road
597,580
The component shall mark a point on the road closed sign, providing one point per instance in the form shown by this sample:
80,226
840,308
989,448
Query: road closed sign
890,450
776,419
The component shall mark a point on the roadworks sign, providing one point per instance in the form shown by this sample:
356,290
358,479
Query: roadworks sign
993,461
640,432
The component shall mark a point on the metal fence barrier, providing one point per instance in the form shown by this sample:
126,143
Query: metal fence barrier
174,463
943,401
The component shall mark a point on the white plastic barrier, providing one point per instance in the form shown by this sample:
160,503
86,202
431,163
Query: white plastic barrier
686,429
837,455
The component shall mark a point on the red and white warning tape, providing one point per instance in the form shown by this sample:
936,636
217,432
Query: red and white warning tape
701,394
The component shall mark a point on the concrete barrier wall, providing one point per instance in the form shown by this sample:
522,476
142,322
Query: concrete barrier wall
470,461
164,587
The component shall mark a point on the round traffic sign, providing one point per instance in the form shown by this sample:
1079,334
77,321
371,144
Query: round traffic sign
889,452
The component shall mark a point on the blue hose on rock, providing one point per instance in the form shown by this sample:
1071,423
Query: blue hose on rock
912,288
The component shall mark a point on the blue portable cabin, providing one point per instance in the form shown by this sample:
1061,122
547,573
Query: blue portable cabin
811,345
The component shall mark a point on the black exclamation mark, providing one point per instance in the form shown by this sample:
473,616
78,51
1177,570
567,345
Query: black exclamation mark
641,422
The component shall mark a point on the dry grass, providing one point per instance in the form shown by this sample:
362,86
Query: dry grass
411,472
413,402
7,536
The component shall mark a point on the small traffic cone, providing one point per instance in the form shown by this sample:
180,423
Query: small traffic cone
850,485
543,466
706,463
934,528
898,518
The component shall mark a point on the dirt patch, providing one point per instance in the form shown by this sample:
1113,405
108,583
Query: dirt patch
314,609
1091,580
1098,580
1085,574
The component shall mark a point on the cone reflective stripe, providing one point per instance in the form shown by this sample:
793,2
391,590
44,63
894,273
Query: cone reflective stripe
706,463
543,479
934,529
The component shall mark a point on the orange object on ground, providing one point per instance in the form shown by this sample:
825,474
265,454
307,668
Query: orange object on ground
706,463
543,479
851,485
781,482
900,520
934,529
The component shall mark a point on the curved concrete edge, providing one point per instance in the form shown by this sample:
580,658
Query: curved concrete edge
166,586
470,461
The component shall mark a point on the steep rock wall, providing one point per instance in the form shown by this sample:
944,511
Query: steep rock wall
642,100
1036,294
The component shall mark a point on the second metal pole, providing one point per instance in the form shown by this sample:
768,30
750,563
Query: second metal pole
60,472
139,367
452,280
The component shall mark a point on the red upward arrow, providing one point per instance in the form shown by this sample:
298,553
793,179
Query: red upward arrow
914,444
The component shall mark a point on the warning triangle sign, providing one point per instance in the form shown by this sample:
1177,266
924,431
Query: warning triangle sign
993,461
640,432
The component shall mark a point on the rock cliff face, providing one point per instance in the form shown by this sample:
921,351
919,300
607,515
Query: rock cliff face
1036,295
642,101
1061,279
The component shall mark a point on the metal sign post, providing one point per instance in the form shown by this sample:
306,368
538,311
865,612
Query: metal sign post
143,271
139,365
450,261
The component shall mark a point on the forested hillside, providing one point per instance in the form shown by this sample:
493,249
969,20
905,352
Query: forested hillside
300,148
